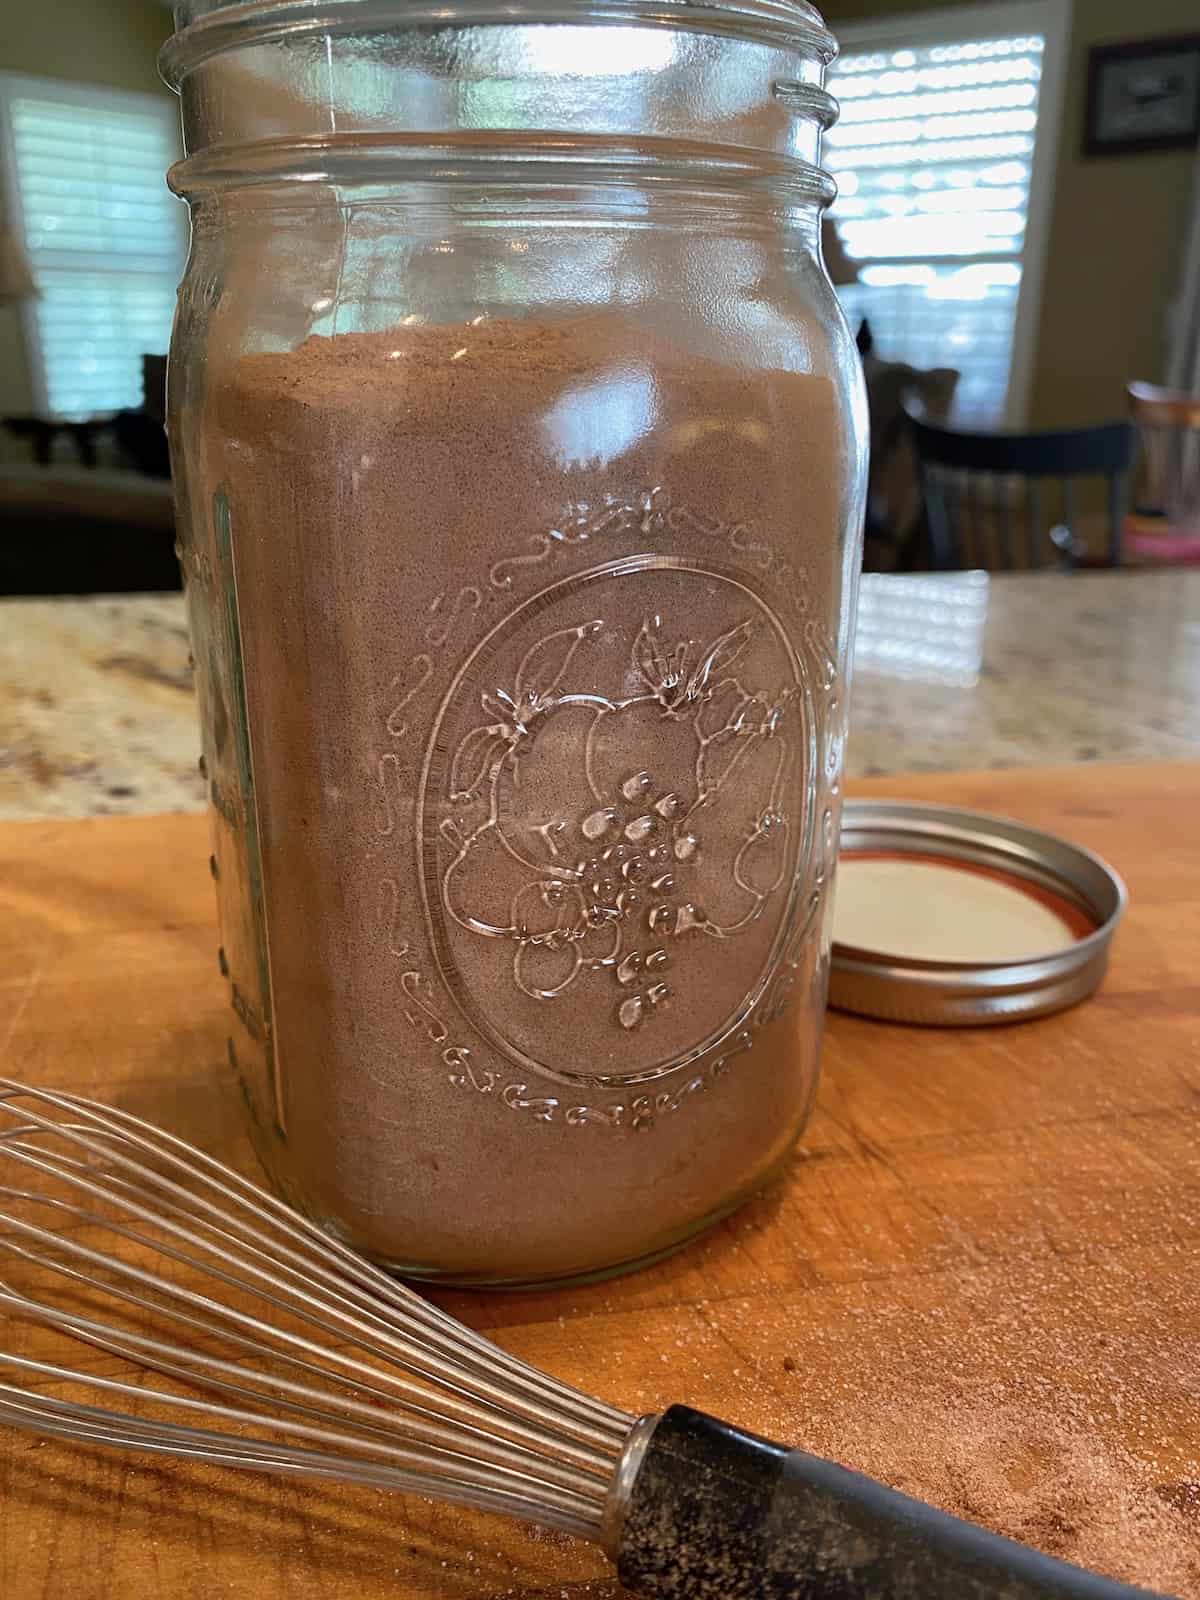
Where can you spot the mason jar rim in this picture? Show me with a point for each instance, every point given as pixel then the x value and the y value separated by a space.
pixel 206 28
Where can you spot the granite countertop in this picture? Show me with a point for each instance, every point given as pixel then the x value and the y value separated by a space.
pixel 967 671
pixel 97 712
pixel 957 671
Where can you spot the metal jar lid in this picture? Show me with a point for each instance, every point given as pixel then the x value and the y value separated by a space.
pixel 1085 895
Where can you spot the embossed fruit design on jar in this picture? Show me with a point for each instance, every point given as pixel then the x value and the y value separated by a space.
pixel 521 470
pixel 617 856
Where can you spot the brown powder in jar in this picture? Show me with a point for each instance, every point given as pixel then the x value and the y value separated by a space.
pixel 417 520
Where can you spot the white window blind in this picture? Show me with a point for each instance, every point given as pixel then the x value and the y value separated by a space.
pixel 935 156
pixel 103 234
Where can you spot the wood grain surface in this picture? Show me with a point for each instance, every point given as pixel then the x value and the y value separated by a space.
pixel 979 1277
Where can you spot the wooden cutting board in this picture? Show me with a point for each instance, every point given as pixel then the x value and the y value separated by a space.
pixel 980 1279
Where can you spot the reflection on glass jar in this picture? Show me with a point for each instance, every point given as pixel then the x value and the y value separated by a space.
pixel 928 628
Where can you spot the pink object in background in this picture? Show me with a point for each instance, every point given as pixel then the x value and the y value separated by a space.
pixel 1168 547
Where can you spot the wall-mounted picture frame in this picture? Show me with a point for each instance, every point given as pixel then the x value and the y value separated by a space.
pixel 1143 95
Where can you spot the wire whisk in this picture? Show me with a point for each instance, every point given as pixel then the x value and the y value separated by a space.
pixel 309 1359
pixel 220 1325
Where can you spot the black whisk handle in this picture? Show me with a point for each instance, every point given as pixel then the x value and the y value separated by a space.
pixel 717 1514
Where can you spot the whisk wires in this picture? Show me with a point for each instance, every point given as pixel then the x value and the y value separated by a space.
pixel 272 1346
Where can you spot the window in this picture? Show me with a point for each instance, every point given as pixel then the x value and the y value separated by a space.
pixel 944 156
pixel 103 234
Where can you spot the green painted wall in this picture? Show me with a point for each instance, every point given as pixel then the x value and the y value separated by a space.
pixel 1116 236
pixel 112 42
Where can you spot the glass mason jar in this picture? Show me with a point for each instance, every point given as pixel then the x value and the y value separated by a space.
pixel 519 447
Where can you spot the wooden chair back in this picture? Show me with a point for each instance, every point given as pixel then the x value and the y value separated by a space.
pixel 1168 425
pixel 1006 501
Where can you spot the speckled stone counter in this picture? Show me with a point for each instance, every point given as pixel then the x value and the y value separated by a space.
pixel 962 671
pixel 1026 669
pixel 97 712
